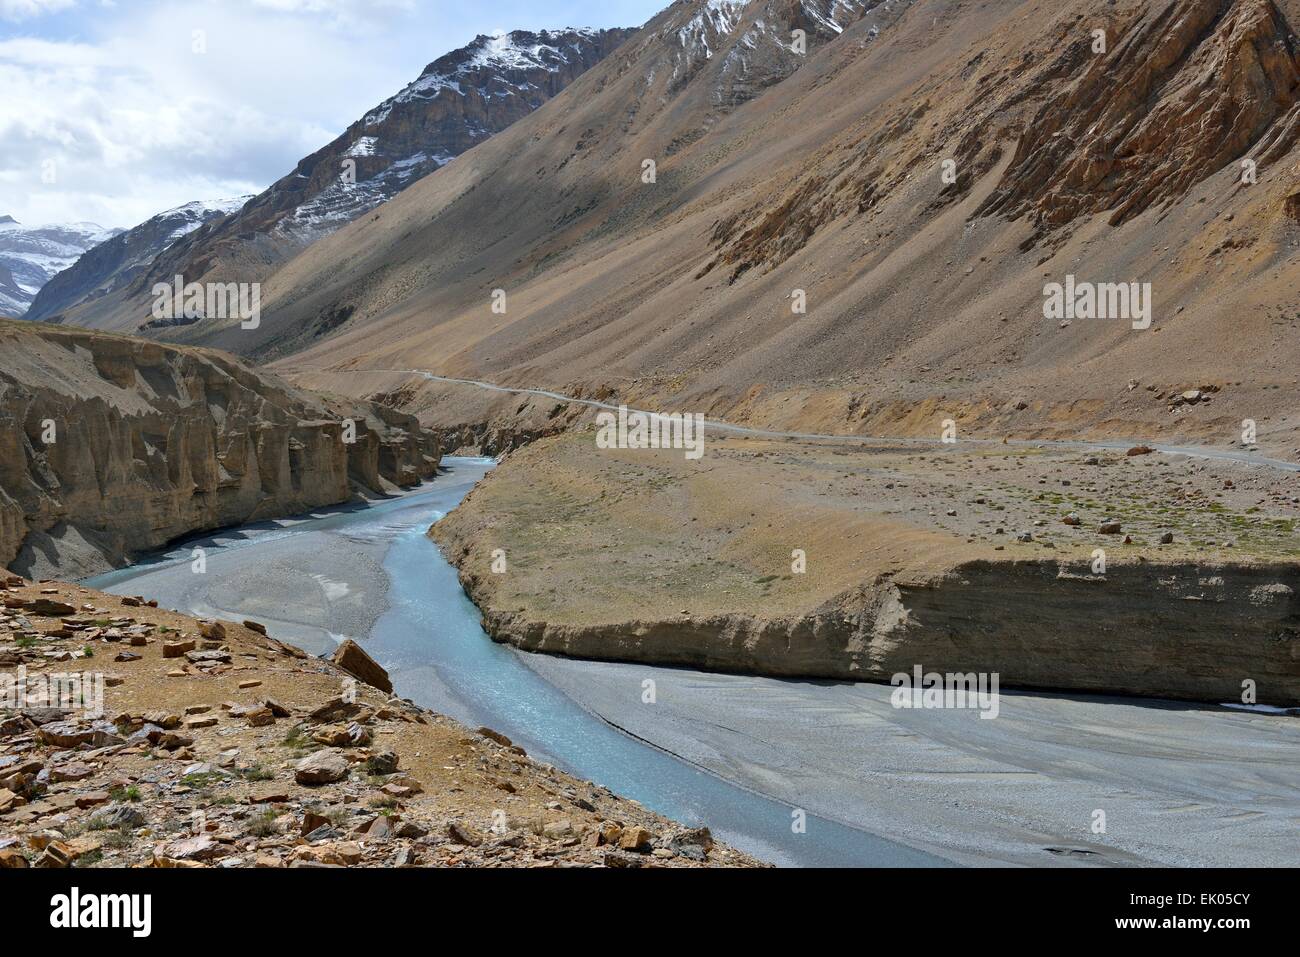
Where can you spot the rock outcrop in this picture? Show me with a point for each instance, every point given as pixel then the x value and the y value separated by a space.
pixel 1185 88
pixel 111 446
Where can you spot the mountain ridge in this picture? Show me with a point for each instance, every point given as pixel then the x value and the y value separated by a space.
pixel 30 256
pixel 459 100
pixel 923 294
pixel 114 263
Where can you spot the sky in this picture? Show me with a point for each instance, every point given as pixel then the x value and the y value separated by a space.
pixel 114 110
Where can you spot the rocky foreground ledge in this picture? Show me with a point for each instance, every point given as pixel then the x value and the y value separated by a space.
pixel 219 746
pixel 111 446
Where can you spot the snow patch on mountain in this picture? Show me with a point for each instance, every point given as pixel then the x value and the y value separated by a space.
pixel 185 219
pixel 486 62
pixel 31 255
pixel 497 68
pixel 345 199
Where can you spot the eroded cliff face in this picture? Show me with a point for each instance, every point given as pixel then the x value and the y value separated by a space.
pixel 110 446
pixel 1170 631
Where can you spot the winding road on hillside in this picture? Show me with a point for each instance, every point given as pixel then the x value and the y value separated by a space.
pixel 1192 451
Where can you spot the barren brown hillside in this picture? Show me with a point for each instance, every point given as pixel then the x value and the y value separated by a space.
pixel 1115 166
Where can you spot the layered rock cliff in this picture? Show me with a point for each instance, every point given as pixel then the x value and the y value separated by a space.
pixel 110 446
pixel 1170 630
pixel 859 564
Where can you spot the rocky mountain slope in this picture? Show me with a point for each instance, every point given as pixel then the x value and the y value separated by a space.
pixel 216 745
pixel 116 262
pixel 920 176
pixel 30 256
pixel 111 446
pixel 458 101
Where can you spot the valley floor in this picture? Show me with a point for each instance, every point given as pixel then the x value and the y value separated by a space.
pixel 1189 784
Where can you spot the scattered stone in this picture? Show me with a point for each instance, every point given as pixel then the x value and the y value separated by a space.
pixel 119 815
pixel 259 717
pixel 64 734
pixel 335 709
pixel 12 859
pixel 198 848
pixel 464 834
pixel 214 630
pixel 556 830
pixel 635 839
pixel 384 762
pixel 324 767
pixel 496 736
pixel 311 821
pixel 167 720
pixel 411 830
pixel 56 854
pixel 621 859
pixel 48 608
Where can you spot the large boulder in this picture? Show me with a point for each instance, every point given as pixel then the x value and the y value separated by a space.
pixel 353 659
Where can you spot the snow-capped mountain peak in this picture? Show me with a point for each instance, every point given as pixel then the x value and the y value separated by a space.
pixel 31 255
pixel 121 256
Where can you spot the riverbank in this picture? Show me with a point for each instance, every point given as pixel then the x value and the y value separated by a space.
pixel 861 563
pixel 426 633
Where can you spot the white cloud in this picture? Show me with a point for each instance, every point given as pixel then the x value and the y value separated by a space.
pixel 349 9
pixel 22 9
pixel 131 121
pixel 114 131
